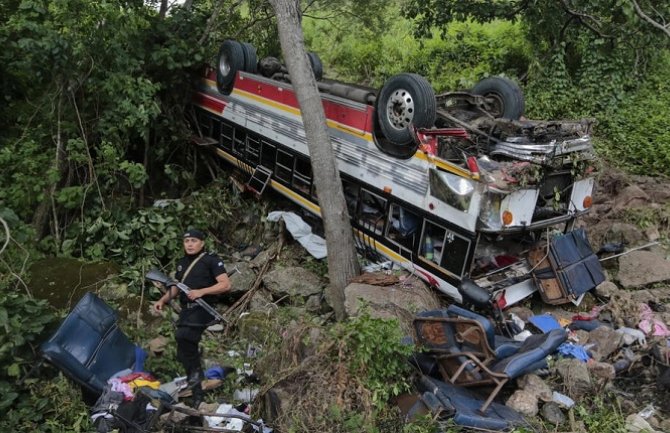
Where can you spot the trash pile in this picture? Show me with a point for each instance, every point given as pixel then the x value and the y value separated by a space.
pixel 90 348
pixel 465 360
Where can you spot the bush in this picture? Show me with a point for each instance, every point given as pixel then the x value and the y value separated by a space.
pixel 635 135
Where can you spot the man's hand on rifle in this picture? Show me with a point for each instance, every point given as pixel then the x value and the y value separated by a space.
pixel 195 294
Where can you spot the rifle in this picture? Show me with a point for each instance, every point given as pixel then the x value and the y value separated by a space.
pixel 159 277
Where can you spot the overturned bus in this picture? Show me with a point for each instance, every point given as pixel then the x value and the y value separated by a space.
pixel 458 187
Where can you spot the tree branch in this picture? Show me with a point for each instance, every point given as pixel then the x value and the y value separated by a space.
pixel 7 234
pixel 212 18
pixel 584 19
pixel 664 28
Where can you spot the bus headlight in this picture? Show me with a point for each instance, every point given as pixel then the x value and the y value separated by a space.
pixel 454 190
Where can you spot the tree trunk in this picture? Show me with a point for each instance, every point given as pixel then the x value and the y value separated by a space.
pixel 342 261
pixel 163 9
pixel 41 215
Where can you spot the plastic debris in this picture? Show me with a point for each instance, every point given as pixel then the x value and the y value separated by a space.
pixel 518 321
pixel 234 424
pixel 648 411
pixel 245 394
pixel 521 336
pixel 545 322
pixel 562 400
pixel 631 336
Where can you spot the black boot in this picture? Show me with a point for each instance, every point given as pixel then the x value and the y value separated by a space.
pixel 195 379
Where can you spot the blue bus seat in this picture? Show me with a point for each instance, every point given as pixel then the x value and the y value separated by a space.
pixel 463 344
pixel 88 346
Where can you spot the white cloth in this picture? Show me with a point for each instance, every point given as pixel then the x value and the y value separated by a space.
pixel 301 232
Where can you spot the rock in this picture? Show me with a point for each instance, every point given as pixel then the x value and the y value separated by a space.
pixel 261 301
pixel 208 407
pixel 523 312
pixel 606 340
pixel 175 417
pixel 631 196
pixel 665 425
pixel 654 422
pixel 582 336
pixel 251 251
pixel 575 375
pixel 313 304
pixel 601 370
pixel 640 268
pixel 114 291
pixel 606 289
pixel 405 298
pixel 524 402
pixel 605 231
pixel 292 281
pixel 263 257
pixel 157 345
pixel 241 280
pixel 553 414
pixel 663 380
pixel 652 234
pixel 534 384
pixel 636 424
pixel 254 326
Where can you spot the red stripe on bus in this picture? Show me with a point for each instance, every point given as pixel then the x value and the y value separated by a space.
pixel 347 116
pixel 209 102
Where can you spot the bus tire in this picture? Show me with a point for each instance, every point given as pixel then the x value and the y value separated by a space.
pixel 507 97
pixel 405 101
pixel 317 66
pixel 250 58
pixel 231 60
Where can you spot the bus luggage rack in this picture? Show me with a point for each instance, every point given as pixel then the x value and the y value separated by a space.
pixel 259 180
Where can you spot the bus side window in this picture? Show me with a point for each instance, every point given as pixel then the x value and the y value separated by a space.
pixel 227 135
pixel 268 154
pixel 351 193
pixel 432 242
pixel 253 149
pixel 371 209
pixel 205 123
pixel 284 167
pixel 302 175
pixel 454 253
pixel 240 142
pixel 402 226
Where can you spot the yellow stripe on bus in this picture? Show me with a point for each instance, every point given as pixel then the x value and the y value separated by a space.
pixel 444 165
pixel 347 129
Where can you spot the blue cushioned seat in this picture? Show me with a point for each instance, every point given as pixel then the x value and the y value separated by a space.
pixel 444 400
pixel 88 346
pixel 463 343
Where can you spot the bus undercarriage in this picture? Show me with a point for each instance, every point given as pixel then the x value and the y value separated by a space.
pixel 458 187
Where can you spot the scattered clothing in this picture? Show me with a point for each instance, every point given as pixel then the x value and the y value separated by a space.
pixel 574 351
pixel 650 324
